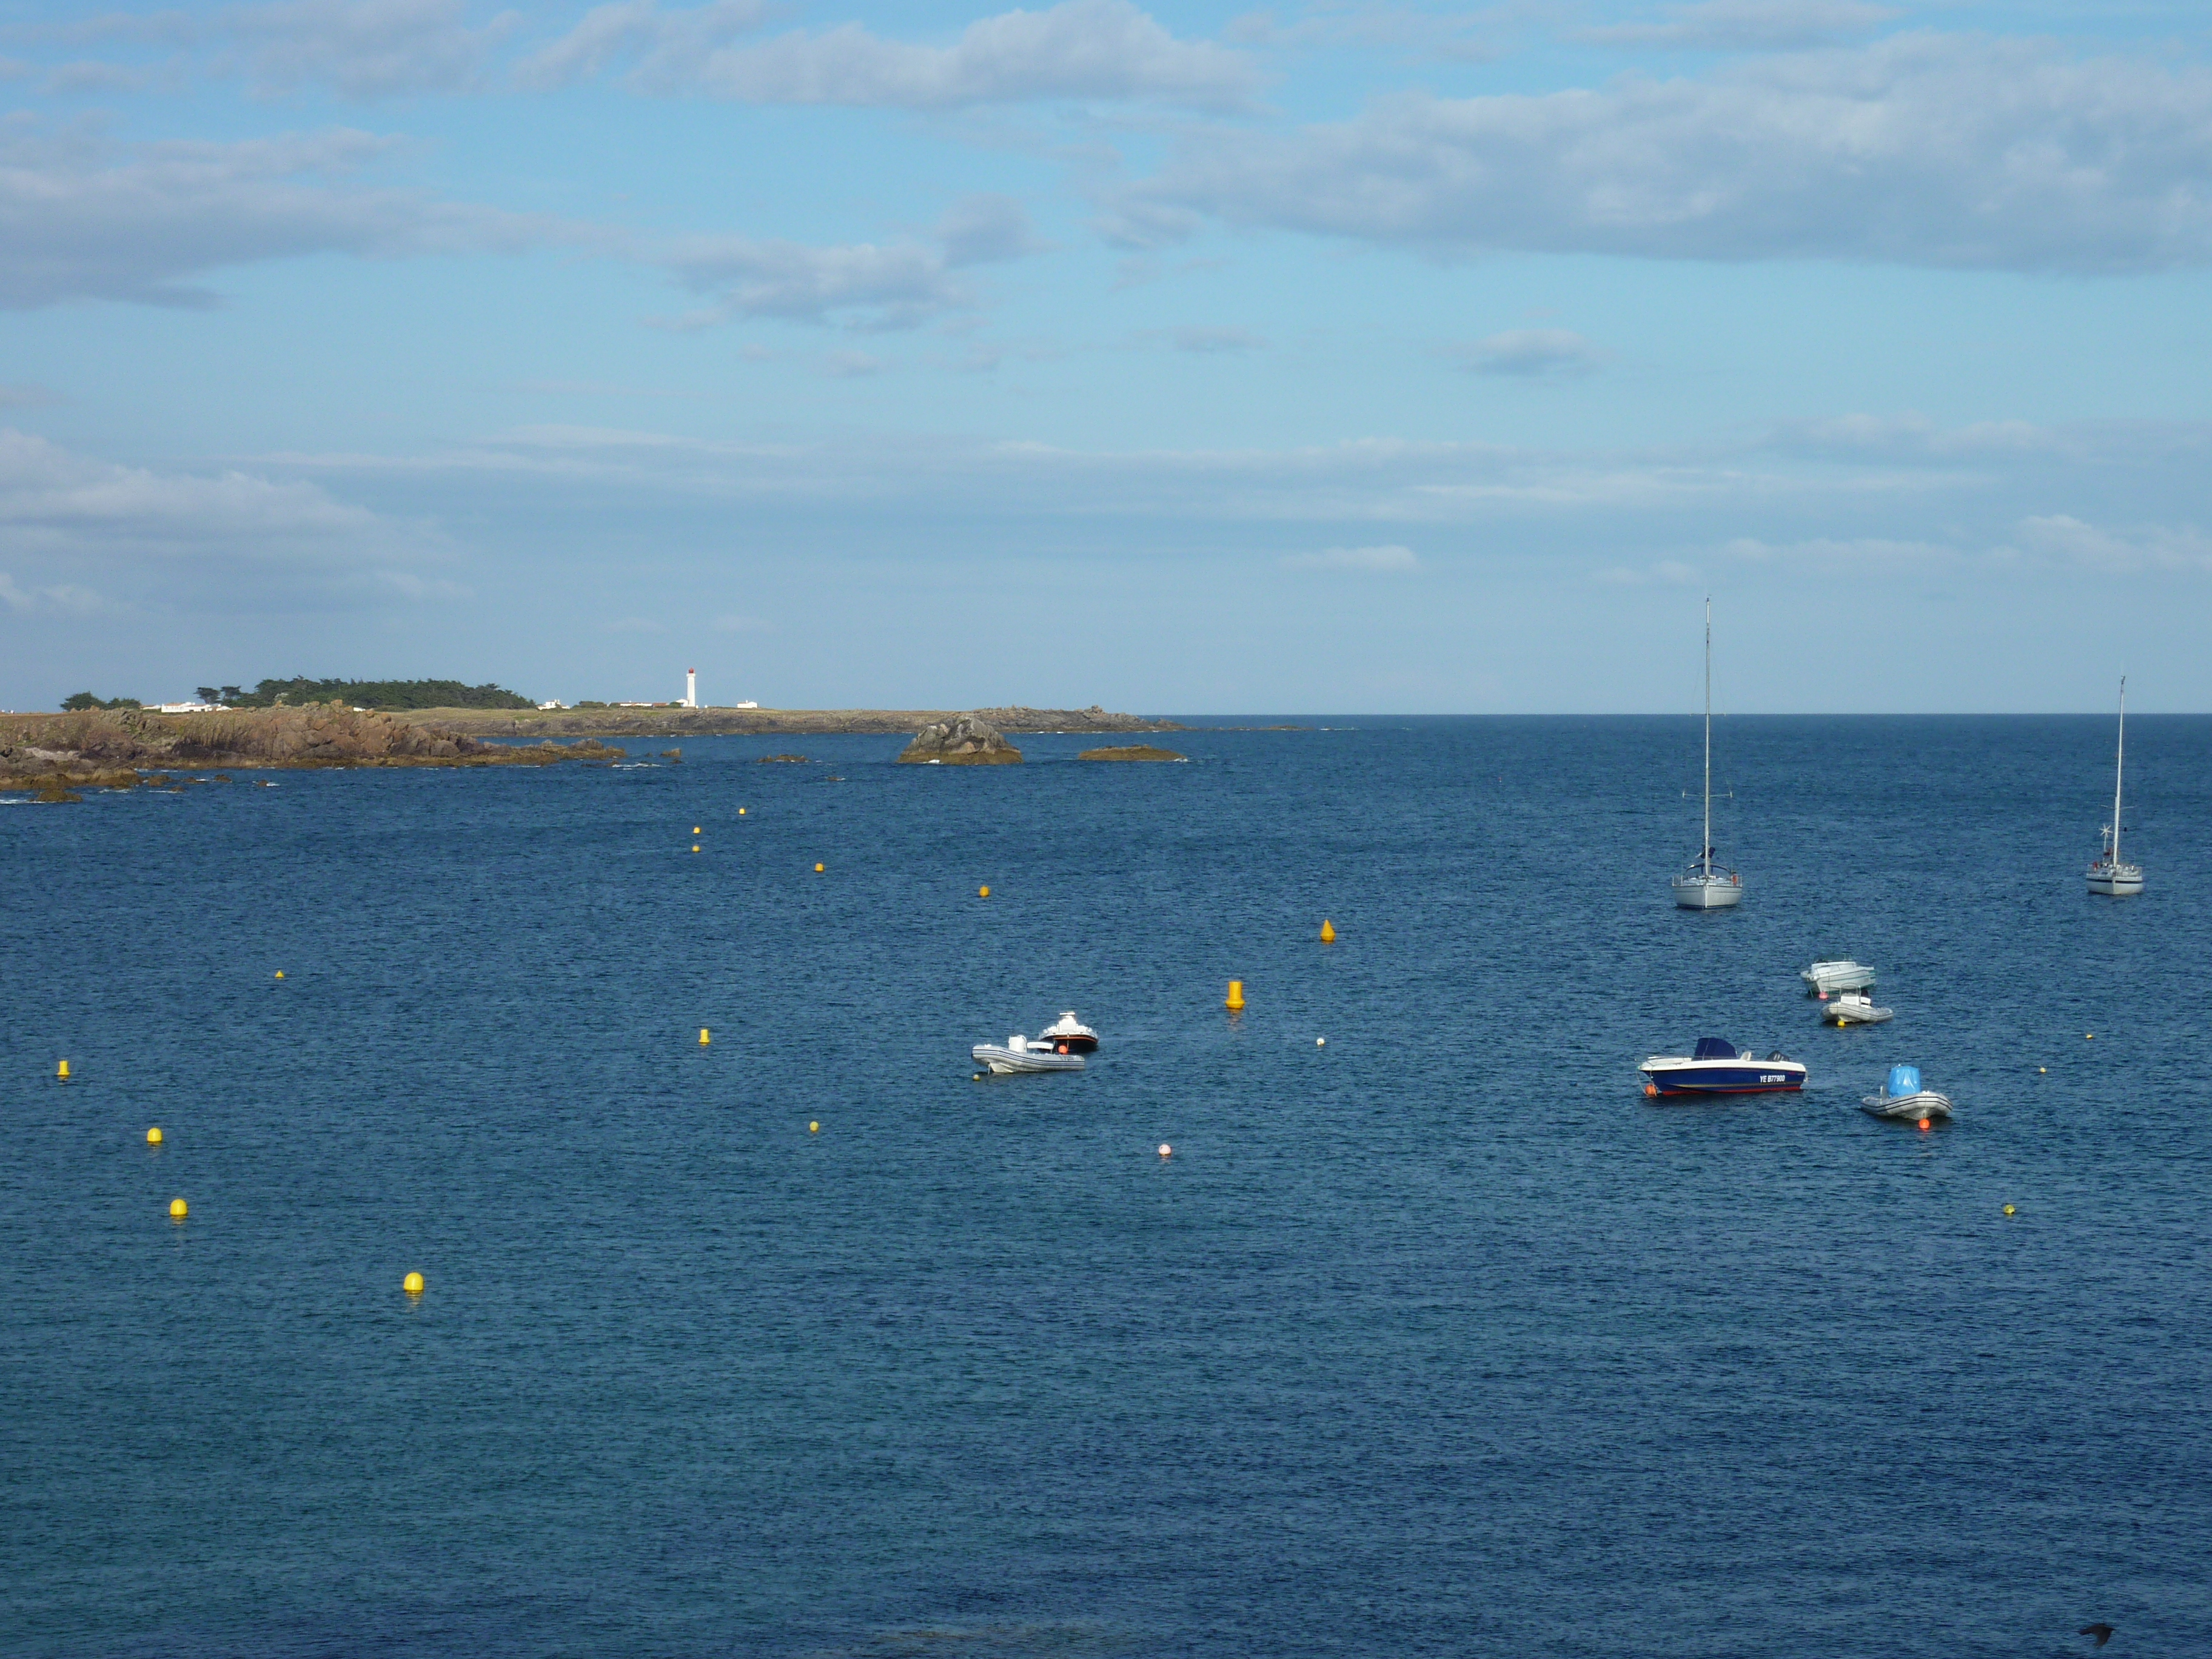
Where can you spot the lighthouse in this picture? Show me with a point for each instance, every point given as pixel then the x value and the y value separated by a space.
pixel 691 688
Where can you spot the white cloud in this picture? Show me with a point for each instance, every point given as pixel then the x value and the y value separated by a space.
pixel 1389 558
pixel 667 43
pixel 1922 149
pixel 83 220
pixel 362 48
pixel 1746 25
pixel 1531 353
pixel 858 285
pixel 1101 49
pixel 2153 547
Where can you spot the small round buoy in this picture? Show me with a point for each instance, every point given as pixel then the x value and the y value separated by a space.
pixel 694 846
pixel 177 1211
pixel 702 1036
pixel 817 869
pixel 814 1128
pixel 62 1071
pixel 1328 932
pixel 2008 1210
pixel 412 1284
pixel 1320 1043
pixel 2043 1071
pixel 153 1135
pixel 1650 1091
pixel 741 811
pixel 2089 1036
pixel 1166 1151
pixel 694 829
pixel 983 892
pixel 1923 1123
pixel 976 1077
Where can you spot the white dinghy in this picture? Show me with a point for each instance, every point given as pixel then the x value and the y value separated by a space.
pixel 1020 1055
pixel 1903 1101
pixel 1853 1008
pixel 1824 978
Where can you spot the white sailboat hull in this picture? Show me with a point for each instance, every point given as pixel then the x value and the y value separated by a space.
pixel 2122 881
pixel 1704 892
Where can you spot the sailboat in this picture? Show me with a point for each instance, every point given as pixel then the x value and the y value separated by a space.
pixel 1705 885
pixel 2109 875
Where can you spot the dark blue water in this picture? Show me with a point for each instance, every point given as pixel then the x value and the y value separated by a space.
pixel 1438 1339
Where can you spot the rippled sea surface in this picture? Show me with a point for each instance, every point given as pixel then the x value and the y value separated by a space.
pixel 1438 1339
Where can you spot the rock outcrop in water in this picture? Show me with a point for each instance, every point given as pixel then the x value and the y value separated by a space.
pixel 1136 751
pixel 964 740
pixel 108 749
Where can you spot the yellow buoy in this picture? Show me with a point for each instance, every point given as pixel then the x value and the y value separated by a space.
pixel 62 1071
pixel 741 811
pixel 814 1128
pixel 153 1135
pixel 2043 1071
pixel 983 892
pixel 817 869
pixel 1236 995
pixel 1328 932
pixel 702 1036
pixel 176 1209
pixel 2008 1209
pixel 2089 1035
pixel 280 973
pixel 412 1284
pixel 694 846
pixel 694 829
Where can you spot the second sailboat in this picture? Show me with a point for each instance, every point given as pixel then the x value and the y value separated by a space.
pixel 1705 885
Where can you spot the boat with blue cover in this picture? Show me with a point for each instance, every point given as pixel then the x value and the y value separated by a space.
pixel 1719 1068
pixel 1901 1097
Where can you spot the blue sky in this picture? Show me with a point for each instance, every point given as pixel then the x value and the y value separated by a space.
pixel 1325 357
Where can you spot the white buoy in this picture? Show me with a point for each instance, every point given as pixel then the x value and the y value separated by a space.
pixel 1166 1151
pixel 1320 1043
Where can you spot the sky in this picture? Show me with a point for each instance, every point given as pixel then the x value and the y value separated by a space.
pixel 1378 358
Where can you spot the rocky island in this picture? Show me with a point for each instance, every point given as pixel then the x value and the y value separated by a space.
pixel 674 720
pixel 1136 751
pixel 108 749
pixel 963 740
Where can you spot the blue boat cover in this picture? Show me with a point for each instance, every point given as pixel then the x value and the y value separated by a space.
pixel 1714 1048
pixel 1904 1080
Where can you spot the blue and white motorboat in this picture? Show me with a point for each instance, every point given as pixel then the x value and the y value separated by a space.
pixel 1903 1099
pixel 1719 1068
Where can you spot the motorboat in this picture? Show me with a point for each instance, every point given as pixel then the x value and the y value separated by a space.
pixel 1020 1055
pixel 2109 874
pixel 1705 885
pixel 1069 1036
pixel 1719 1068
pixel 1853 1008
pixel 1824 978
pixel 1903 1100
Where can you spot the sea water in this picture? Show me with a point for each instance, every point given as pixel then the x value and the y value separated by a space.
pixel 1436 1338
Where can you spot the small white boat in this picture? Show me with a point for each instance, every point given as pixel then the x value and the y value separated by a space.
pixel 2109 875
pixel 1853 1008
pixel 1903 1101
pixel 1705 885
pixel 1069 1036
pixel 1020 1055
pixel 1824 978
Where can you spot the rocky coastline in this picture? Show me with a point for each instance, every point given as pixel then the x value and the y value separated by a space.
pixel 110 748
pixel 778 722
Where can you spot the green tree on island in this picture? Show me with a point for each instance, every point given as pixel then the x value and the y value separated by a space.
pixel 84 700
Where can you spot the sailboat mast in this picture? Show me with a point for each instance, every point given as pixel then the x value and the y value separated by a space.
pixel 1706 846
pixel 2119 765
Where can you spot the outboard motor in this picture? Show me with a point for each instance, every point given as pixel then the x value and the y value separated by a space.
pixel 1904 1080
